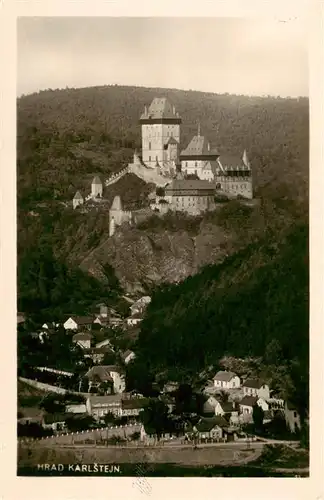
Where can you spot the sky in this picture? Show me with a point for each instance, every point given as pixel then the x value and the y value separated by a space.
pixel 237 56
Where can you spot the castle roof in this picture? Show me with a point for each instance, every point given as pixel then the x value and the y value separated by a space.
pixel 172 140
pixel 78 196
pixel 186 184
pixel 160 108
pixel 117 204
pixel 96 180
pixel 198 146
pixel 231 161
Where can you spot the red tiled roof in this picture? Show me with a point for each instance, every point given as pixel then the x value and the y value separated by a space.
pixel 188 185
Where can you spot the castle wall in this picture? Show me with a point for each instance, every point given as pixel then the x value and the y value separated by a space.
pixel 148 175
pixel 191 167
pixel 237 186
pixel 116 177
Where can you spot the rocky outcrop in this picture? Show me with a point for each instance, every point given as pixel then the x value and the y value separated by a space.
pixel 143 258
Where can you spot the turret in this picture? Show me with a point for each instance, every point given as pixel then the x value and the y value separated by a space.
pixel 96 187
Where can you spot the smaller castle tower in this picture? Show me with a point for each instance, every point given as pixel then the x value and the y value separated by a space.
pixel 77 200
pixel 96 188
pixel 117 216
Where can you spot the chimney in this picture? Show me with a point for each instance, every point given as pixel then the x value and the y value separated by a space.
pixel 208 147
pixel 174 111
pixel 145 110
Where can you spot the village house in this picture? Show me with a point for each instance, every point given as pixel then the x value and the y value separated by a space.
pixel 97 354
pixel 76 408
pixel 132 407
pixel 50 325
pixel 210 428
pixel 226 380
pixel 30 415
pixel 104 343
pixel 229 410
pixel 256 387
pixel 55 421
pixel 83 339
pixel 99 406
pixel 140 305
pixel 115 322
pixel 246 407
pixel 276 404
pixel 106 373
pixel 226 409
pixel 102 321
pixel 103 310
pixel 292 417
pixel 77 322
pixel 128 356
pixel 134 320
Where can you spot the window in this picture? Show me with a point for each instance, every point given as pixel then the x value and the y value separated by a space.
pixel 149 145
pixel 149 158
pixel 195 163
pixel 295 414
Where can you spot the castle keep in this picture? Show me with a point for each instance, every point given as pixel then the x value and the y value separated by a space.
pixel 160 134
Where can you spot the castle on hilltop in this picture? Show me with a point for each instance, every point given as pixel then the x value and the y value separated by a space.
pixel 190 178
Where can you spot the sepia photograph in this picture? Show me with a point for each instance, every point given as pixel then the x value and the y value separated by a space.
pixel 162 247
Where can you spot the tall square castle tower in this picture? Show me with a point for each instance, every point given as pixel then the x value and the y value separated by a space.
pixel 160 133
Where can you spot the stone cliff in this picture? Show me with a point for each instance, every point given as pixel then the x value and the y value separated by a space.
pixel 144 258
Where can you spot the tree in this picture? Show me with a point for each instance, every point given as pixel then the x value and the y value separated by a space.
pixel 75 423
pixel 273 353
pixel 52 403
pixel 109 358
pixel 223 395
pixel 183 398
pixel 258 415
pixel 109 418
pixel 155 417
